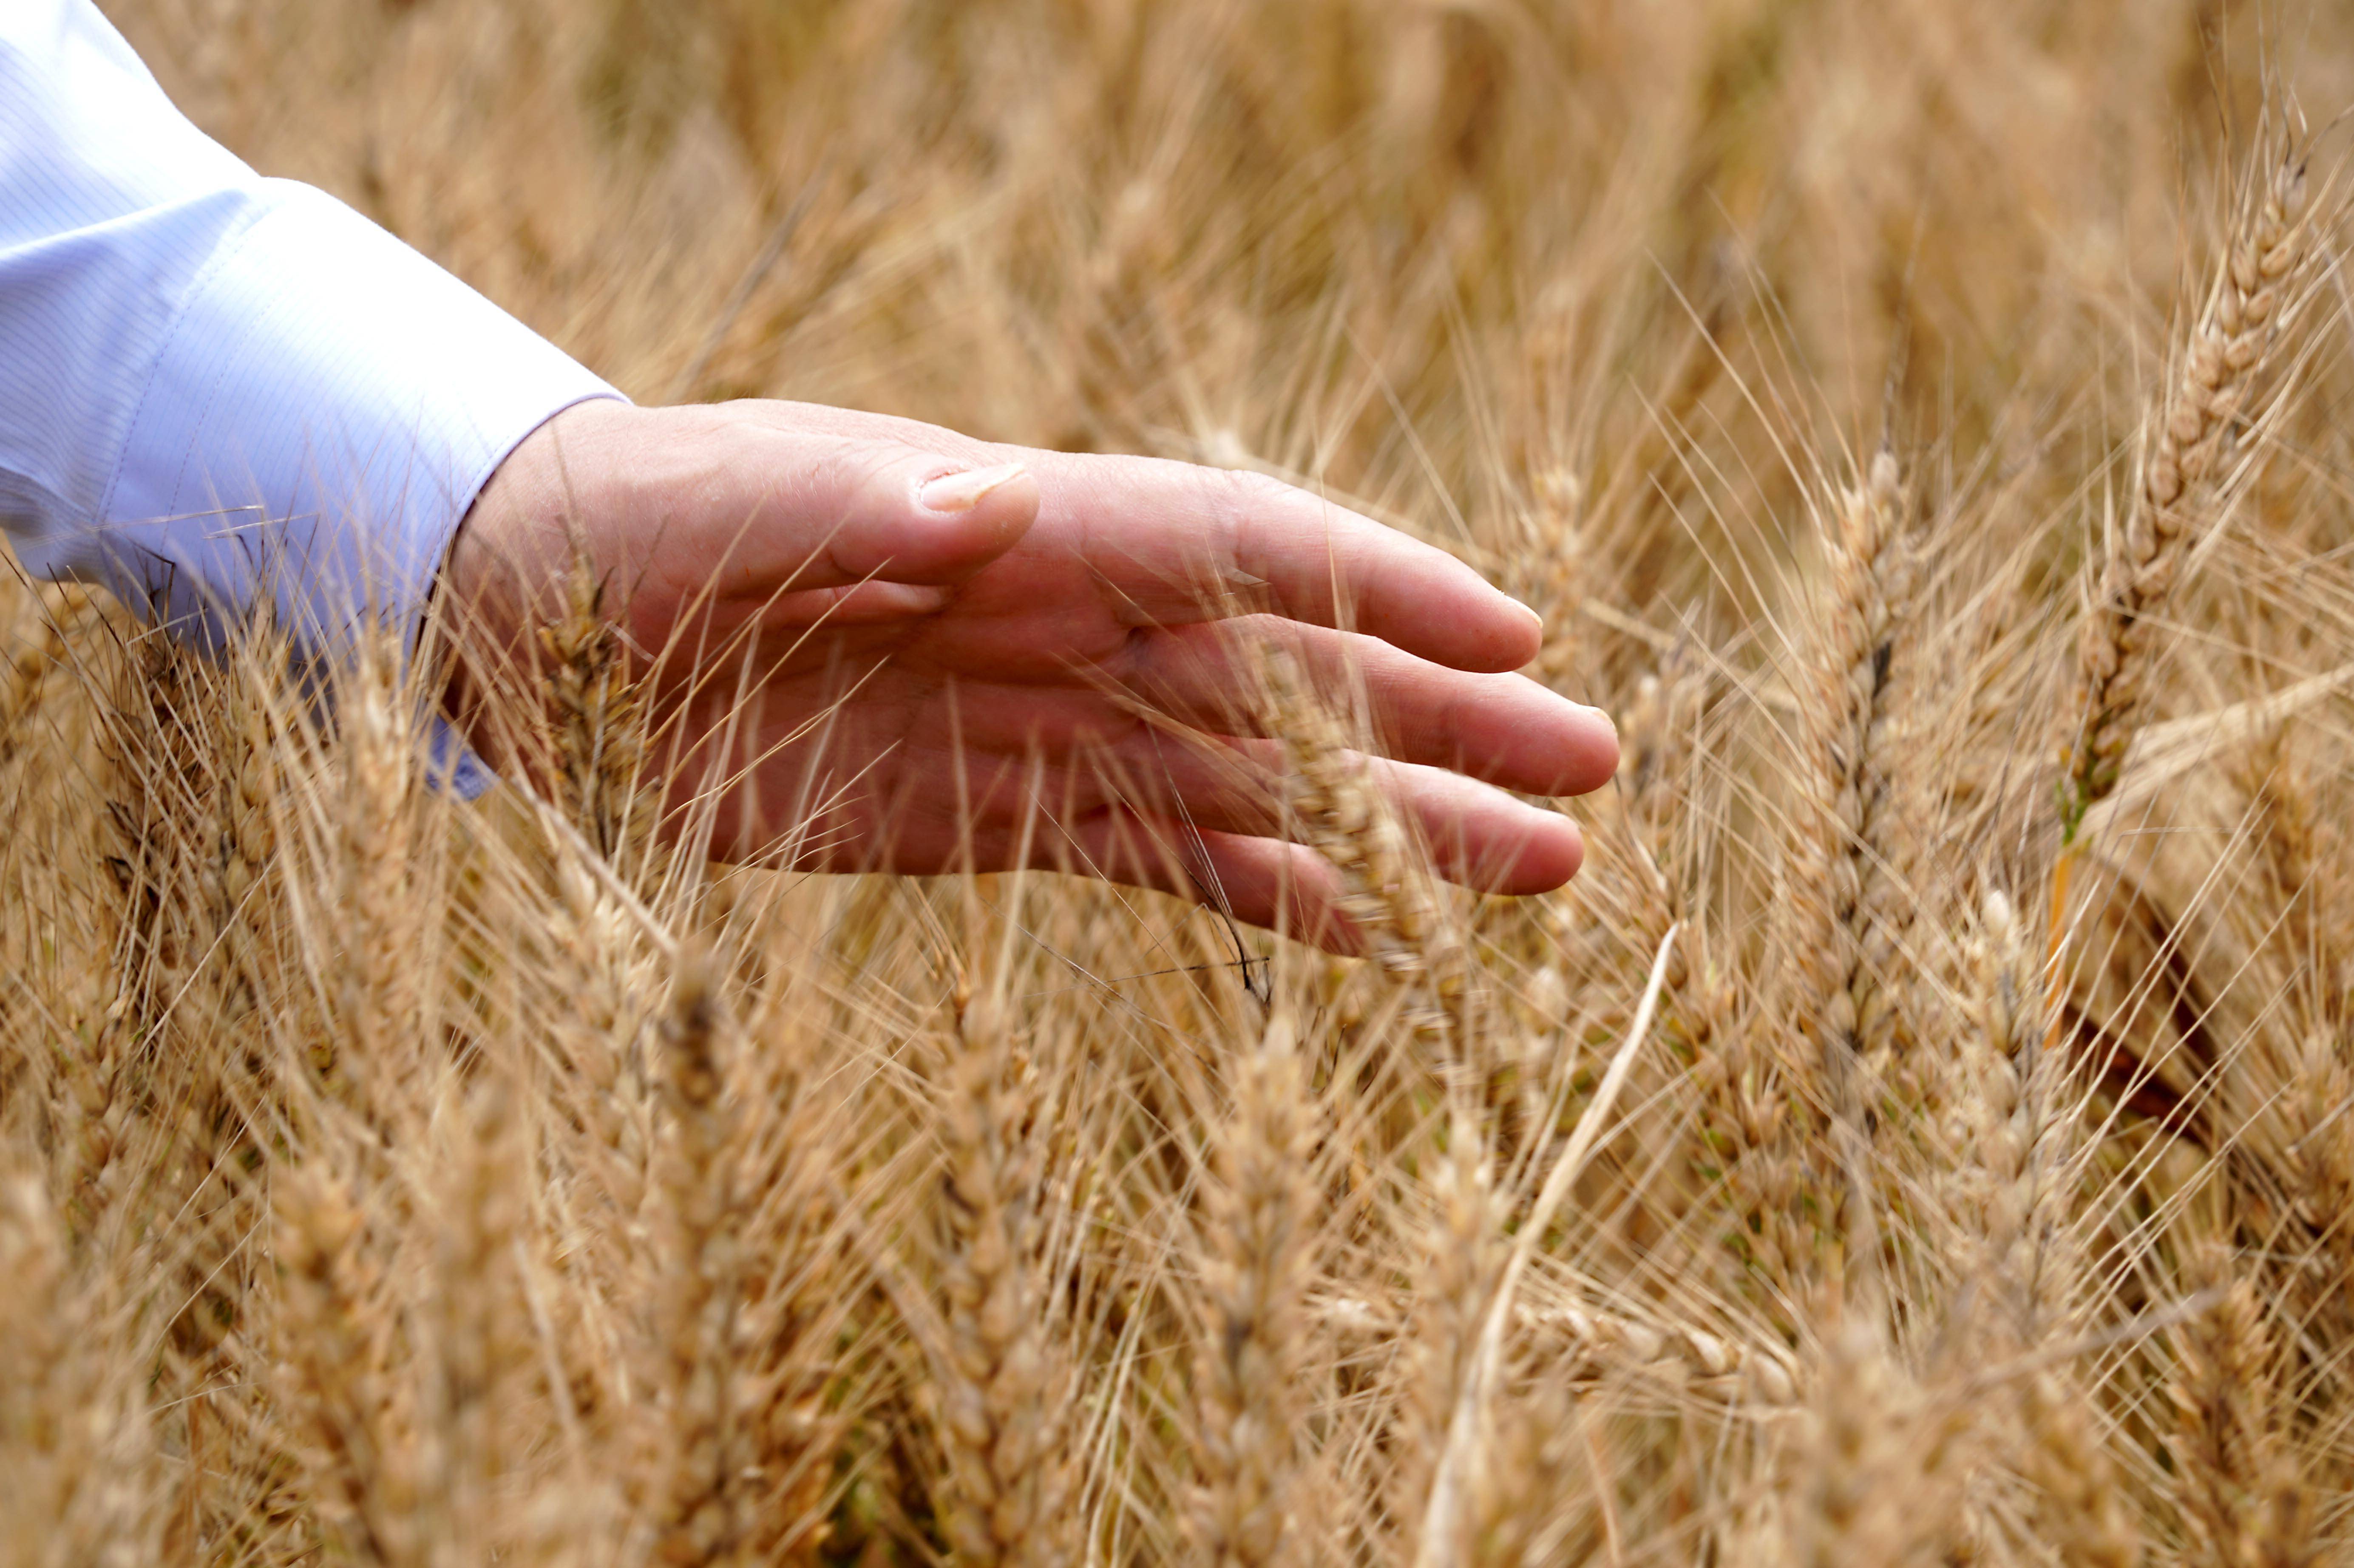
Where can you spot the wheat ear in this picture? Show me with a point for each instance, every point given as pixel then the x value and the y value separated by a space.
pixel 73 1418
pixel 600 719
pixel 1475 1370
pixel 360 1453
pixel 1846 891
pixel 2015 1124
pixel 700 1518
pixel 376 838
pixel 2081 1511
pixel 2243 1498
pixel 1877 1473
pixel 1850 897
pixel 1386 892
pixel 1259 1218
pixel 1742 1147
pixel 1003 1383
pixel 474 1320
pixel 2193 433
pixel 1450 1432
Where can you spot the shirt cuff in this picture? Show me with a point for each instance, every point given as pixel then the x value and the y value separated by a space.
pixel 322 415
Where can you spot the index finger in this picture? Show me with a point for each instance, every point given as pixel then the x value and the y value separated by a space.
pixel 1173 543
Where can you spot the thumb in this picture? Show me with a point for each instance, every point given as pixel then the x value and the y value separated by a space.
pixel 679 501
pixel 796 510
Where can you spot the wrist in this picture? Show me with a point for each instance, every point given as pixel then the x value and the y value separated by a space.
pixel 516 542
pixel 509 562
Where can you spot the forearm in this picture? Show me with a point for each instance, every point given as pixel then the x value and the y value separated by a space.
pixel 224 393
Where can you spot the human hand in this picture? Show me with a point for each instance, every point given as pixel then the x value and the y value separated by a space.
pixel 934 650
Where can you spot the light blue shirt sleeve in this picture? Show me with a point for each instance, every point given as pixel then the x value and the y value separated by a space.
pixel 217 391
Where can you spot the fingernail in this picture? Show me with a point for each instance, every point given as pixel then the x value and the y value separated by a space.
pixel 963 492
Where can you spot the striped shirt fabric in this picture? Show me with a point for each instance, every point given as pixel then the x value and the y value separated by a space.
pixel 220 391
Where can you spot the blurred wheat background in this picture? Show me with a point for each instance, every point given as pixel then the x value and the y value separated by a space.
pixel 1924 1133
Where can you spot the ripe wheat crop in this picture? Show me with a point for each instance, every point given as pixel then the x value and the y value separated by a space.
pixel 1923 1134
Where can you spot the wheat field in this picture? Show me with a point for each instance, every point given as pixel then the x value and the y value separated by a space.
pixel 1924 1133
